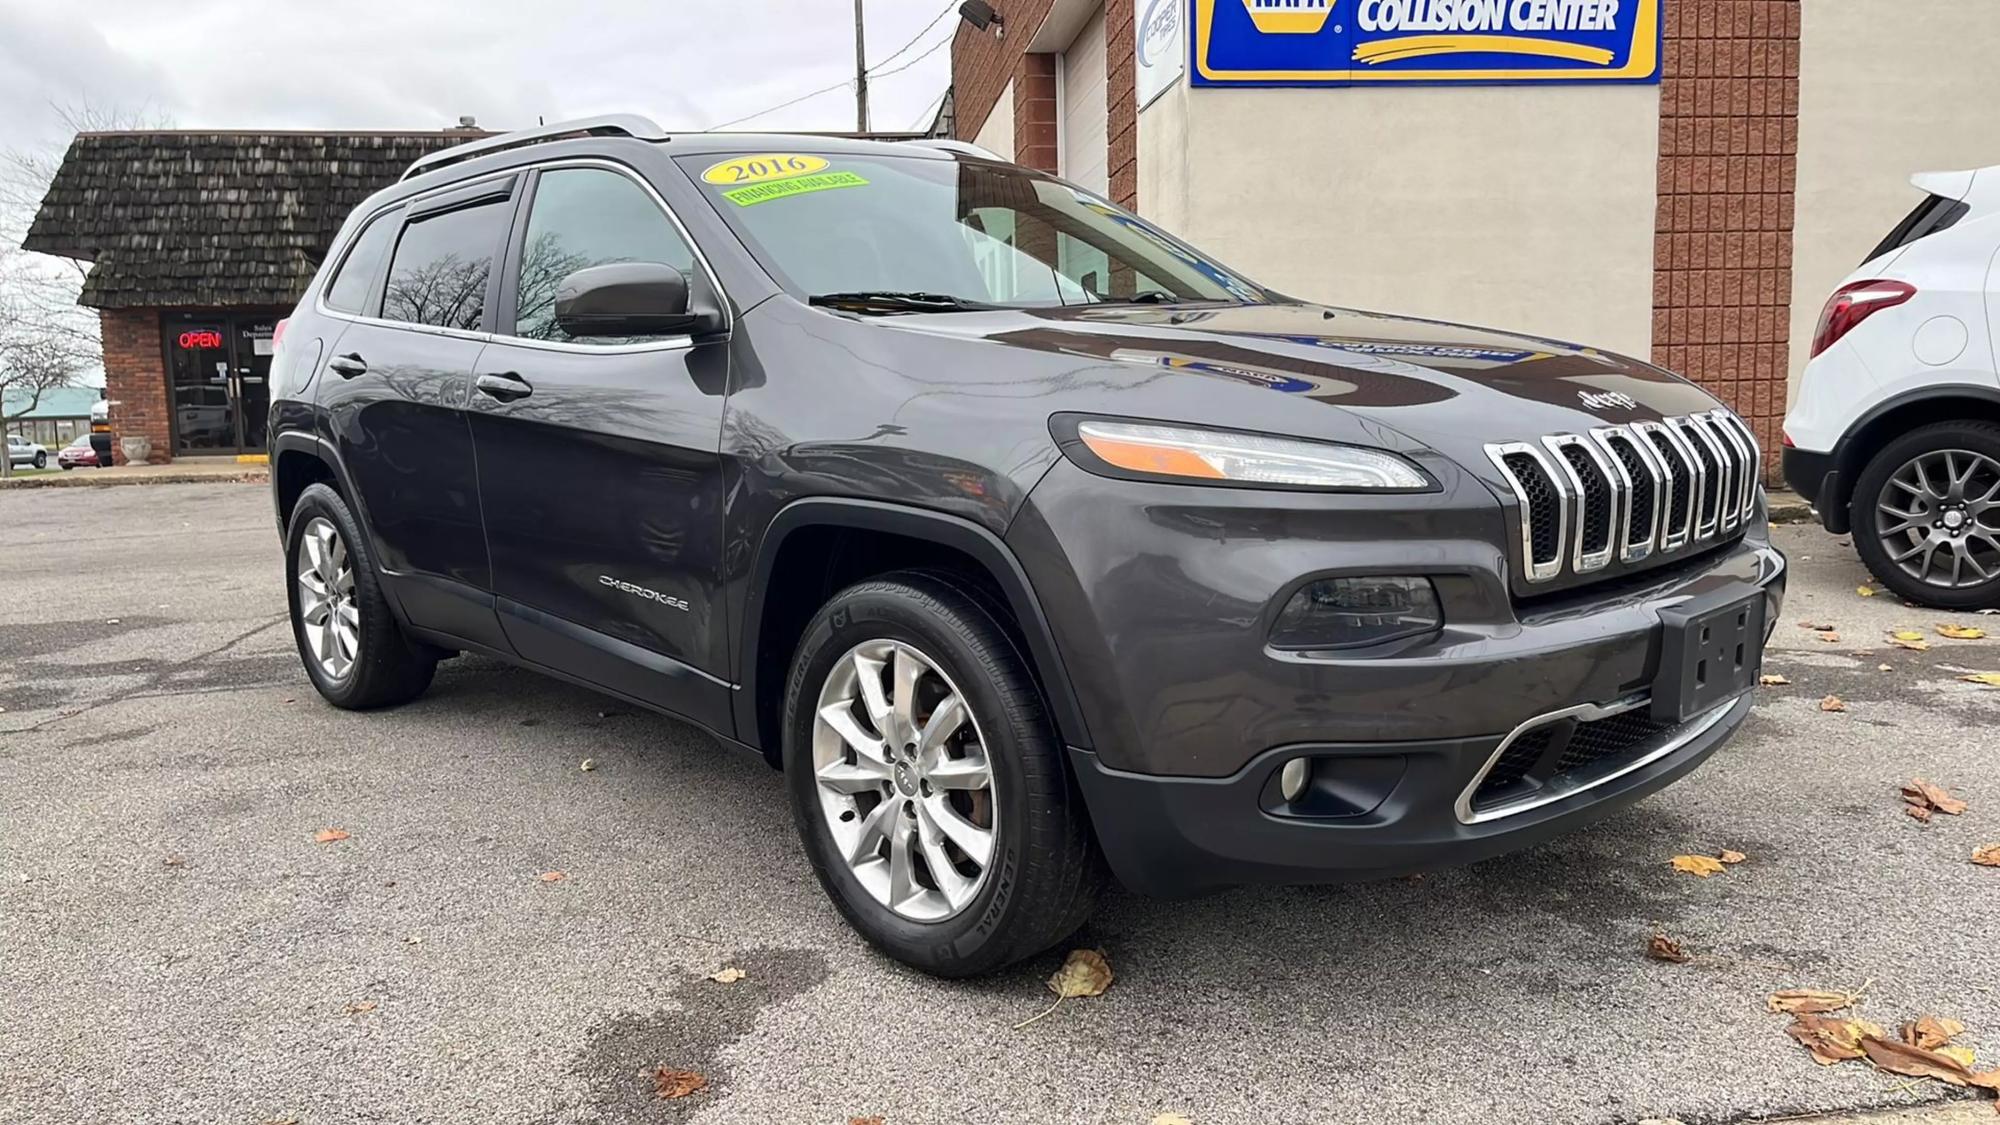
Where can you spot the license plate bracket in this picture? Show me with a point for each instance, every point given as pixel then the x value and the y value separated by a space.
pixel 1711 651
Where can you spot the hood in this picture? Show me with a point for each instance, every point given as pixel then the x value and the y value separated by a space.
pixel 1447 386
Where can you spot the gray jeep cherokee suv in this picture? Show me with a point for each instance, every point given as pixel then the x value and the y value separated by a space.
pixel 1029 541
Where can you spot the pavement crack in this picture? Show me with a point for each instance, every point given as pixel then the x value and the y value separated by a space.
pixel 153 685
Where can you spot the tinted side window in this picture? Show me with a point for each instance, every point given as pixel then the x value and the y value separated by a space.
pixel 349 289
pixel 438 276
pixel 587 217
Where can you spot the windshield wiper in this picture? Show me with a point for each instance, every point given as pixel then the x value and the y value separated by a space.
pixel 883 300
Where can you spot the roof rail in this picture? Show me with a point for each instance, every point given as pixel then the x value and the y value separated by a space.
pixel 948 145
pixel 610 125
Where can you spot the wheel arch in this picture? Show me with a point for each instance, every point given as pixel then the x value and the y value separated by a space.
pixel 299 460
pixel 1958 402
pixel 809 551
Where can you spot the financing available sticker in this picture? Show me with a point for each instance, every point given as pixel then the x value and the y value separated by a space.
pixel 1363 42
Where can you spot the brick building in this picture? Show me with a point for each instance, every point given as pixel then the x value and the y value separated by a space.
pixel 1696 208
pixel 201 241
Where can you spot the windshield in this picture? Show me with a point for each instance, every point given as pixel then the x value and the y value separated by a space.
pixel 980 232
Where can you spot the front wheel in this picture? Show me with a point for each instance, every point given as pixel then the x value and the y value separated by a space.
pixel 41 460
pixel 354 651
pixel 928 783
pixel 1927 515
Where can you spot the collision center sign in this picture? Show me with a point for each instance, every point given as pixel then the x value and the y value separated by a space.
pixel 1362 42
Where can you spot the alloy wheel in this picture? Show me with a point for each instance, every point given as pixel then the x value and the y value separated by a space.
pixel 329 616
pixel 904 780
pixel 1939 518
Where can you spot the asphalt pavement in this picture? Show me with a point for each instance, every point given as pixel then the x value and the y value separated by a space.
pixel 176 946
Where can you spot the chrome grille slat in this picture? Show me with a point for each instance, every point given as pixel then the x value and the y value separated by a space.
pixel 1628 493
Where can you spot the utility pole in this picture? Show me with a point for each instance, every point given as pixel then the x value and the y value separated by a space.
pixel 860 72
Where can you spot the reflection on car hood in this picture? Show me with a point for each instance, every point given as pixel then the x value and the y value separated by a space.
pixel 1446 385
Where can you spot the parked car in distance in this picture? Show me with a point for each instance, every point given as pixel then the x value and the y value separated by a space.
pixel 1895 433
pixel 78 453
pixel 1030 542
pixel 22 452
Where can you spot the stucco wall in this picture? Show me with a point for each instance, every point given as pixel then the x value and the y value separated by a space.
pixel 1528 207
pixel 997 133
pixel 1887 88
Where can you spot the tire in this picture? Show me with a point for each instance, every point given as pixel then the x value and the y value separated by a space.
pixel 41 460
pixel 1883 540
pixel 1043 871
pixel 382 667
pixel 66 466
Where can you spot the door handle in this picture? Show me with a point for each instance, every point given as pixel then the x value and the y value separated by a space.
pixel 503 385
pixel 347 366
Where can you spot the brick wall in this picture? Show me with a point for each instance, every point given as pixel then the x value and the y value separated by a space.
pixel 1036 141
pixel 135 380
pixel 983 62
pixel 1722 261
pixel 1121 98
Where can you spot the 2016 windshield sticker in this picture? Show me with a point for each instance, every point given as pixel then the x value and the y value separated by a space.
pixel 762 168
pixel 797 185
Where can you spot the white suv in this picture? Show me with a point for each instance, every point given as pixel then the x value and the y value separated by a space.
pixel 1895 435
pixel 21 451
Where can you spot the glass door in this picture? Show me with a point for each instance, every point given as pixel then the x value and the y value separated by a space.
pixel 199 371
pixel 252 389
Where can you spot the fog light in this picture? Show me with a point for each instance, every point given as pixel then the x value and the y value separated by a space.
pixel 1351 612
pixel 1293 779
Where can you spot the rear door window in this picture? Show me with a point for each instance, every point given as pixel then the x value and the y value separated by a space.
pixel 348 291
pixel 442 265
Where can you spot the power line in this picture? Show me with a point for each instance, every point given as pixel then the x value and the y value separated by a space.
pixel 848 82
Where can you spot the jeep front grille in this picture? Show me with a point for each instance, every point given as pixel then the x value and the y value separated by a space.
pixel 1626 493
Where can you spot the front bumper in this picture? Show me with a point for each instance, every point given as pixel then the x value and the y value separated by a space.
pixel 1174 837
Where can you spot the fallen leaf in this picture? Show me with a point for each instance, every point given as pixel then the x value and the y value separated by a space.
pixel 1831 1040
pixel 1930 1032
pixel 1819 627
pixel 1865 591
pixel 1660 947
pixel 174 861
pixel 1963 1056
pixel 553 876
pixel 1697 865
pixel 1808 1000
pixel 1084 972
pixel 1830 638
pixel 1990 679
pixel 329 835
pixel 1773 680
pixel 588 765
pixel 1922 794
pixel 1914 1062
pixel 1728 856
pixel 727 976
pixel 671 1083
pixel 1909 639
pixel 360 1006
pixel 1920 814
pixel 1988 856
pixel 1833 703
pixel 1961 632
pixel 877 1120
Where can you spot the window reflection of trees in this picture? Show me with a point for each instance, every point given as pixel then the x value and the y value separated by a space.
pixel 448 292
pixel 544 264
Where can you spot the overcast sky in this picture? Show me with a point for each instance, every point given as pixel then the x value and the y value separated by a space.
pixel 420 64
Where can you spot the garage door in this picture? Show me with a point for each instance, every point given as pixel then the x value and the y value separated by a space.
pixel 1084 116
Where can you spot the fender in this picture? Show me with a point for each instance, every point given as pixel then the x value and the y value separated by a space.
pixel 960 534
pixel 321 450
pixel 1850 454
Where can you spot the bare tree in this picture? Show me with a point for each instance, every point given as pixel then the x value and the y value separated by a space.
pixel 46 339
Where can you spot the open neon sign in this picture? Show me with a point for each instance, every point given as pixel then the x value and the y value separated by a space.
pixel 201 338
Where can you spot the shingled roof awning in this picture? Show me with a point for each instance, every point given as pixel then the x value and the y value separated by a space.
pixel 192 218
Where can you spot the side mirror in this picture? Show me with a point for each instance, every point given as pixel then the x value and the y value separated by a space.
pixel 630 299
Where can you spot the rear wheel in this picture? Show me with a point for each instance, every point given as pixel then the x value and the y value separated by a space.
pixel 354 651
pixel 1927 515
pixel 928 784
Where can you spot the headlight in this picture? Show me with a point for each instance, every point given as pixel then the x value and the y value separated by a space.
pixel 1222 457
pixel 1336 613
